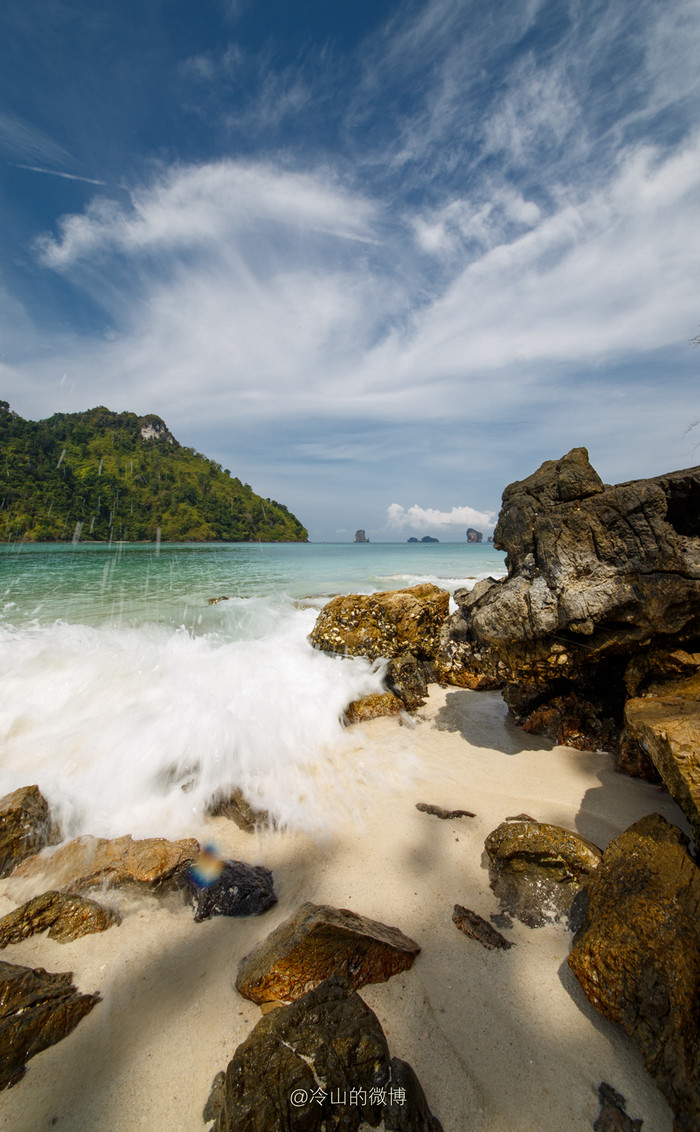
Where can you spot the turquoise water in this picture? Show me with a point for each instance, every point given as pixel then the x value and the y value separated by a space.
pixel 98 584
pixel 132 699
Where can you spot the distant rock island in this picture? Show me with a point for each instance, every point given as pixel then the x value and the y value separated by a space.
pixel 360 536
pixel 99 475
pixel 426 538
pixel 474 536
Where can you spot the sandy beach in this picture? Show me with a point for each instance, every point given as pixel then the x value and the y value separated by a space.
pixel 500 1040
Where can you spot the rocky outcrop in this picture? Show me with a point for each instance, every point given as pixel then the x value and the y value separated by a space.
pixel 537 870
pixel 321 1063
pixel 637 955
pixel 474 535
pixel 597 577
pixel 666 724
pixel 229 888
pixel 383 625
pixel 401 626
pixel 66 917
pixel 319 941
pixel 37 1009
pixel 25 826
pixel 88 862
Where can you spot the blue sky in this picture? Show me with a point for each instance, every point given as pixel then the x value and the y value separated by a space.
pixel 377 258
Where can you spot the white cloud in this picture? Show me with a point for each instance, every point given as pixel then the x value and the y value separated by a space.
pixel 199 206
pixel 417 518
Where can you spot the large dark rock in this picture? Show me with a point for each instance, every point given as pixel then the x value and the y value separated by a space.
pixel 597 576
pixel 229 888
pixel 37 1009
pixel 25 826
pixel 320 1065
pixel 537 870
pixel 67 918
pixel 637 955
pixel 319 941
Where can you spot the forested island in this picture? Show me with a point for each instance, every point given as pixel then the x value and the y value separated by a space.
pixel 100 475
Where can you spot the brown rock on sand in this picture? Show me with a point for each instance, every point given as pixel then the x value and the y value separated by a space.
pixel 319 941
pixel 637 955
pixel 91 861
pixel 538 869
pixel 37 1009
pixel 322 1062
pixel 66 916
pixel 25 826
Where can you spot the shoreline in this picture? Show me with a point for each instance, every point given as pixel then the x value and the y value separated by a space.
pixel 499 1040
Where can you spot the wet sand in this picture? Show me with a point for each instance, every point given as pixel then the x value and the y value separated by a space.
pixel 501 1040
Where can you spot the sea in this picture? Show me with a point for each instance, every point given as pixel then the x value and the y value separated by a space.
pixel 139 682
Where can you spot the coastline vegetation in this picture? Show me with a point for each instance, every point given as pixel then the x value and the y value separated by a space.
pixel 100 476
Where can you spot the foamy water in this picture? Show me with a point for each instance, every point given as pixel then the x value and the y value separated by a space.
pixel 133 702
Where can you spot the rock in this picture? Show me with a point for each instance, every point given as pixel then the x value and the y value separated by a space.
pixel 666 724
pixel 637 955
pixel 474 535
pixel 374 706
pixel 25 826
pixel 37 1009
pixel 228 888
pixel 91 861
pixel 446 815
pixel 598 576
pixel 537 869
pixel 319 941
pixel 473 925
pixel 405 677
pixel 67 918
pixel 360 536
pixel 321 1063
pixel 383 624
pixel 612 1116
pixel 238 809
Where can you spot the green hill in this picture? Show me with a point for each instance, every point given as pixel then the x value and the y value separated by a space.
pixel 101 475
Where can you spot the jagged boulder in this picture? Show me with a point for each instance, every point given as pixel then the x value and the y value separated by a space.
pixel 637 955
pixel 25 826
pixel 319 941
pixel 383 624
pixel 66 917
pixel 597 577
pixel 666 723
pixel 37 1009
pixel 537 870
pixel 88 862
pixel 321 1063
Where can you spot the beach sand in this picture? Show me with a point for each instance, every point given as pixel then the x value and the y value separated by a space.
pixel 501 1040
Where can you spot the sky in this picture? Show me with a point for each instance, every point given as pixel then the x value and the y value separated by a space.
pixel 379 258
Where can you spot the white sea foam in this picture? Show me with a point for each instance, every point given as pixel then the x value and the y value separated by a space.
pixel 134 729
